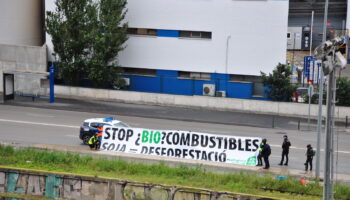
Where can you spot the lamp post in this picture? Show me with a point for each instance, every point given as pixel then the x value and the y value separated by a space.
pixel 320 97
pixel 227 51
pixel 332 60
pixel 312 26
pixel 319 123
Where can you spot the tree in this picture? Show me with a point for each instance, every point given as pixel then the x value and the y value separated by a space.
pixel 87 39
pixel 110 34
pixel 280 88
pixel 315 97
pixel 343 92
pixel 69 27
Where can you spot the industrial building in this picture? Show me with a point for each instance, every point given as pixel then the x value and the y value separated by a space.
pixel 300 15
pixel 192 47
pixel 202 47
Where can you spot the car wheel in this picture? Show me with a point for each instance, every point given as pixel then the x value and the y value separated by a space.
pixel 86 139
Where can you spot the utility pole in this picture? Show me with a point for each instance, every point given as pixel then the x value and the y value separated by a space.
pixel 311 28
pixel 328 184
pixel 319 123
pixel 310 93
pixel 332 61
pixel 294 36
pixel 320 97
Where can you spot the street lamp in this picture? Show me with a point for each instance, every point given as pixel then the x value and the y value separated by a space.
pixel 332 60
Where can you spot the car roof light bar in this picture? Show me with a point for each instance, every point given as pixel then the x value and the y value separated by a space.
pixel 108 119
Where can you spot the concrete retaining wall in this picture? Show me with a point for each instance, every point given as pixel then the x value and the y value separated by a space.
pixel 86 188
pixel 216 103
pixel 24 58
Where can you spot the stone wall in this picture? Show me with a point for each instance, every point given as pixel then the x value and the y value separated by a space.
pixel 90 188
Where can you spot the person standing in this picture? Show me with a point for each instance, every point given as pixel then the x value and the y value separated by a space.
pixel 99 136
pixel 310 153
pixel 259 155
pixel 285 150
pixel 92 141
pixel 266 152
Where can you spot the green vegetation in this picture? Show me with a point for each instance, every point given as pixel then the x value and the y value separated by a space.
pixel 87 37
pixel 280 88
pixel 161 174
pixel 342 93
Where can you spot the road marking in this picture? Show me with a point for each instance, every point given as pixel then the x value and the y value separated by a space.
pixel 274 145
pixel 298 148
pixel 275 156
pixel 37 123
pixel 76 127
pixel 290 158
pixel 340 151
pixel 301 123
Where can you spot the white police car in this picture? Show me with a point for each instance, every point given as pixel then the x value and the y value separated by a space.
pixel 89 127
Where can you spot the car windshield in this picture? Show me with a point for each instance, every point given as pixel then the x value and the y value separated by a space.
pixel 303 91
pixel 120 124
pixel 86 124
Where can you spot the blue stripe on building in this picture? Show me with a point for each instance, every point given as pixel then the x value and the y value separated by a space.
pixel 168 33
pixel 168 82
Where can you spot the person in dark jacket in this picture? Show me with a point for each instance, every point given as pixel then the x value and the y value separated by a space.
pixel 265 153
pixel 285 150
pixel 310 153
pixel 260 156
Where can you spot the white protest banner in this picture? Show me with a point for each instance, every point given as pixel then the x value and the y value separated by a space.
pixel 181 144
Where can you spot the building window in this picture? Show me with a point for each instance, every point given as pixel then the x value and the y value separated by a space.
pixel 288 35
pixel 200 75
pixel 184 74
pixel 183 33
pixel 195 34
pixel 142 31
pixel 258 90
pixel 245 78
pixel 139 71
pixel 194 75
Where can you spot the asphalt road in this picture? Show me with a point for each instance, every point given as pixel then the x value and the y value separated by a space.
pixel 174 113
pixel 28 126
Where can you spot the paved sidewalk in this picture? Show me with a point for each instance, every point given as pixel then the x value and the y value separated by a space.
pixel 176 162
pixel 175 113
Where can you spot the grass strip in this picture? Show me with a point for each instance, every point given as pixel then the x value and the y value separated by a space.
pixel 53 161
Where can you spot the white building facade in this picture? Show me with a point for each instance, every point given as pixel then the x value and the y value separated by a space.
pixel 253 33
pixel 207 41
